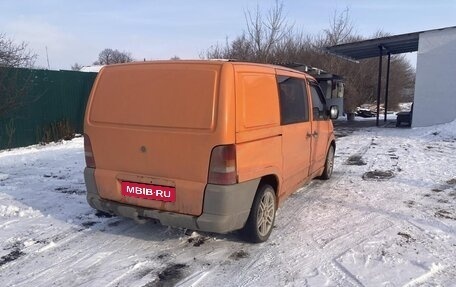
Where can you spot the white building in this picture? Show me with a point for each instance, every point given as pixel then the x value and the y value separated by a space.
pixel 435 84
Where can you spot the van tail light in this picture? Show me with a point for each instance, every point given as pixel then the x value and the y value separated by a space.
pixel 222 167
pixel 89 158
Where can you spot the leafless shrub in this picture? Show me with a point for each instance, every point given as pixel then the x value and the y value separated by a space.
pixel 56 131
pixel 12 55
pixel 110 56
pixel 15 55
pixel 269 38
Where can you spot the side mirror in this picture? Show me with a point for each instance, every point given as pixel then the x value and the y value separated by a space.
pixel 334 112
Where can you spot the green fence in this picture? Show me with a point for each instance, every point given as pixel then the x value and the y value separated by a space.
pixel 43 105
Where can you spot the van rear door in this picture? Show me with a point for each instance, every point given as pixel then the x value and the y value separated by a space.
pixel 153 126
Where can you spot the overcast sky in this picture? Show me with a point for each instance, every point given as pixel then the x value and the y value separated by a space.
pixel 76 31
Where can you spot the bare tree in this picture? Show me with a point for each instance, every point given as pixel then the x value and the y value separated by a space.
pixel 240 49
pixel 270 39
pixel 14 85
pixel 340 28
pixel 76 67
pixel 15 55
pixel 263 34
pixel 110 56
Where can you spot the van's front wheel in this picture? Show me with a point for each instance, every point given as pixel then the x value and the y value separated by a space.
pixel 329 164
pixel 262 215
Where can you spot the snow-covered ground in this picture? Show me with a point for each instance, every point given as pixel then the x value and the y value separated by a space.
pixel 386 218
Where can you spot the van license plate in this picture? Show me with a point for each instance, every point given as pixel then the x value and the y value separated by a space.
pixel 148 191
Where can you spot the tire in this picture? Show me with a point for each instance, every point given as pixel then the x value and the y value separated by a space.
pixel 329 164
pixel 259 225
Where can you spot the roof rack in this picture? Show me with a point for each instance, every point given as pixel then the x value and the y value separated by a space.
pixel 316 72
pixel 302 67
pixel 223 60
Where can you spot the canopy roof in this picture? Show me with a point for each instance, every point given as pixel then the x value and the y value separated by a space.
pixel 396 44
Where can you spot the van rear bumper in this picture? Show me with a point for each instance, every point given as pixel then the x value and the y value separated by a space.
pixel 225 208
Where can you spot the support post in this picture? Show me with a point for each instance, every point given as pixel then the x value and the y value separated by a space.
pixel 387 84
pixel 379 83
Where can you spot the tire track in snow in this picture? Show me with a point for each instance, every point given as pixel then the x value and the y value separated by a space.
pixel 316 254
pixel 288 216
pixel 68 251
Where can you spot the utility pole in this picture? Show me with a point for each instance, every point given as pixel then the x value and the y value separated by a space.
pixel 47 58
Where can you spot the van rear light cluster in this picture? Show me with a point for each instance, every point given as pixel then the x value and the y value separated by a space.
pixel 222 167
pixel 89 158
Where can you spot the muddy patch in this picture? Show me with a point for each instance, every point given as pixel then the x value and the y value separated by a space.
pixel 238 255
pixel 451 181
pixel 169 276
pixel 444 214
pixel 69 190
pixel 13 255
pixel 442 201
pixel 447 186
pixel 102 214
pixel 50 175
pixel 355 159
pixel 392 153
pixel 163 256
pixel 341 132
pixel 55 176
pixel 88 224
pixel 410 203
pixel 407 237
pixel 197 241
pixel 378 175
pixel 115 223
pixel 3 176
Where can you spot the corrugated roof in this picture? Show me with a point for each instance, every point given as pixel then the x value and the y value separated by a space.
pixel 396 44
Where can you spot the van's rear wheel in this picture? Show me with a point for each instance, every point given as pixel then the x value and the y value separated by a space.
pixel 262 215
pixel 329 164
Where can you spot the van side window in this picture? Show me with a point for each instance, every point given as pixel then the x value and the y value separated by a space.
pixel 318 102
pixel 293 100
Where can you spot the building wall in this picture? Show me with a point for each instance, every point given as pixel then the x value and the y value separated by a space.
pixel 435 85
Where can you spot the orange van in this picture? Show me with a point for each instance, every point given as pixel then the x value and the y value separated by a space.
pixel 206 145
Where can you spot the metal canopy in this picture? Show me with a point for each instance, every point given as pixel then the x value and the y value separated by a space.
pixel 380 47
pixel 397 44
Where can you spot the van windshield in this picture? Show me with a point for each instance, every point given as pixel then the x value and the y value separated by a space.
pixel 156 95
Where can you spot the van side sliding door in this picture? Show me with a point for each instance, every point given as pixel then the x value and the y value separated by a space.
pixel 320 128
pixel 296 130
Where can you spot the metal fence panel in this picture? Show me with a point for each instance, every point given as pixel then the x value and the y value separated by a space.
pixel 51 103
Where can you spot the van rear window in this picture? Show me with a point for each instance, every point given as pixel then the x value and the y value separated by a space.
pixel 167 96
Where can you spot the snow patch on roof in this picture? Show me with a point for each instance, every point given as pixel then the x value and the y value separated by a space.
pixel 94 69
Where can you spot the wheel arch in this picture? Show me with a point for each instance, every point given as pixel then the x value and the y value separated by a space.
pixel 333 144
pixel 274 182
